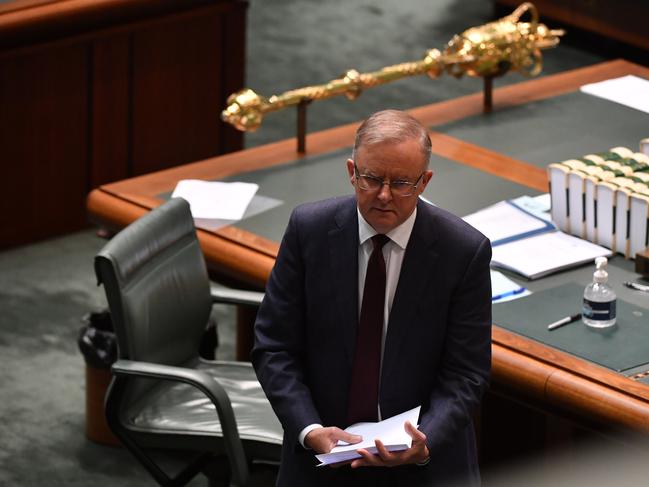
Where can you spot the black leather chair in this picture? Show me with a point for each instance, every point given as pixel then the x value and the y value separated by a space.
pixel 163 395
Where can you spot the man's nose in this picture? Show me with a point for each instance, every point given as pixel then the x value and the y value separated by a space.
pixel 384 193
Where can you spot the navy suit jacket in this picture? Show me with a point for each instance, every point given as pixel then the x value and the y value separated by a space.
pixel 437 350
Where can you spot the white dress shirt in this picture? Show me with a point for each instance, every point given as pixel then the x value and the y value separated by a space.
pixel 393 252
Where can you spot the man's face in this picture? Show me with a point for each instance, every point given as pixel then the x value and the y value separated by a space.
pixel 402 161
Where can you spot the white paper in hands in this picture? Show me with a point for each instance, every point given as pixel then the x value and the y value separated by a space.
pixel 390 431
pixel 215 199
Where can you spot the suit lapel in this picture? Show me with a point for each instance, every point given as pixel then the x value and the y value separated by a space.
pixel 343 253
pixel 418 267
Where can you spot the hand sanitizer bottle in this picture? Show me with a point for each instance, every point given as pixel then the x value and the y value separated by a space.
pixel 599 298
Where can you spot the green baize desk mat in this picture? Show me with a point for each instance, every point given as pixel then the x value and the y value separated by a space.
pixel 553 129
pixel 456 187
pixel 620 347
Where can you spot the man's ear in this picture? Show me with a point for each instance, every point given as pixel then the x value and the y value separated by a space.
pixel 350 171
pixel 428 175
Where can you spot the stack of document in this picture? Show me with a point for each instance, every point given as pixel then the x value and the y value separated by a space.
pixel 390 431
pixel 528 244
pixel 603 198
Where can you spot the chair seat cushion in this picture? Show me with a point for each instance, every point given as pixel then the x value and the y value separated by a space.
pixel 172 407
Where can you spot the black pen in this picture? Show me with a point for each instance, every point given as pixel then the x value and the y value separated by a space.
pixel 563 321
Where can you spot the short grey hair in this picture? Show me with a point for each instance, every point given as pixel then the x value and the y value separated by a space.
pixel 392 126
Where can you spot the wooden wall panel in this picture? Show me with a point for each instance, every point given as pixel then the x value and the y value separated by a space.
pixel 28 22
pixel 43 143
pixel 94 91
pixel 110 110
pixel 233 26
pixel 176 80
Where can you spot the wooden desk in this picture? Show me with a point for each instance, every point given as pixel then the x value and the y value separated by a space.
pixel 529 371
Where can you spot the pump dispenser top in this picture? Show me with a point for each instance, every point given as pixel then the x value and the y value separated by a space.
pixel 600 275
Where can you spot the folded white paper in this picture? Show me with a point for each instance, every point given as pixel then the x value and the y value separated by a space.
pixel 215 199
pixel 390 431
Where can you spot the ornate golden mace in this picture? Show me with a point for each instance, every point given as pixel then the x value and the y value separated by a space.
pixel 488 51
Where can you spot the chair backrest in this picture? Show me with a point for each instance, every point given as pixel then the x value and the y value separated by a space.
pixel 157 286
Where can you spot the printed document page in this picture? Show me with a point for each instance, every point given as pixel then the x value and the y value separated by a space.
pixel 390 431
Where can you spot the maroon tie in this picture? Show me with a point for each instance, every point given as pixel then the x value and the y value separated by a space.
pixel 364 391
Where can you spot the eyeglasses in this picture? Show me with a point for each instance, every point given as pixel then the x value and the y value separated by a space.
pixel 399 187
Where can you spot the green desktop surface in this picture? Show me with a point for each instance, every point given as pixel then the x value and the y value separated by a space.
pixel 621 347
pixel 456 187
pixel 462 190
pixel 554 129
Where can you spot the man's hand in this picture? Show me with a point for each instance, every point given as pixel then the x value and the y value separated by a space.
pixel 322 440
pixel 417 453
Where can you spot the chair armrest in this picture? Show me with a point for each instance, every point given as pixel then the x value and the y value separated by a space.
pixel 235 296
pixel 212 389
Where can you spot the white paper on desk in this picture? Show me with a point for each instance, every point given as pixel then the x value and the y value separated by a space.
pixel 215 199
pixel 390 431
pixel 545 253
pixel 505 220
pixel 504 289
pixel 629 90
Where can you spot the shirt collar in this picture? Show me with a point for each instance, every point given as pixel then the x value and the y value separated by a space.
pixel 399 235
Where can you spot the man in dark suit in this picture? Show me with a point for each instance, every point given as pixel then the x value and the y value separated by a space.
pixel 378 303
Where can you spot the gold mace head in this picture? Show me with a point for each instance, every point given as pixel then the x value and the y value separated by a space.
pixel 244 110
pixel 501 46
